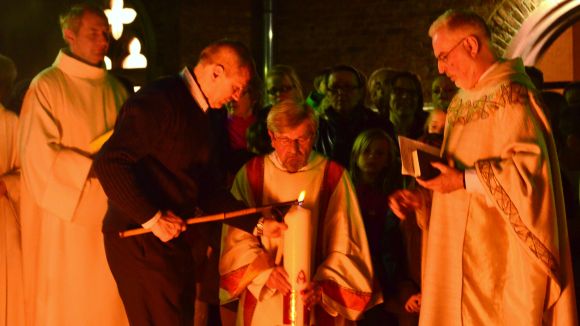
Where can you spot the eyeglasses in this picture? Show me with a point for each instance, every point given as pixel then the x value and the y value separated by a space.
pixel 285 141
pixel 279 90
pixel 442 57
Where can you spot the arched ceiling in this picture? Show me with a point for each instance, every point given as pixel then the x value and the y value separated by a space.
pixel 527 28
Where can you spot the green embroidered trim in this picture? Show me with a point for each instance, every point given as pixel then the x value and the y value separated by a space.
pixel 462 111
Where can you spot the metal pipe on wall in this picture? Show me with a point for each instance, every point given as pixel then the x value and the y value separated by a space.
pixel 268 35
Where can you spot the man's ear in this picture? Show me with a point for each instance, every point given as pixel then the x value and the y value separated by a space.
pixel 68 36
pixel 473 45
pixel 271 134
pixel 217 71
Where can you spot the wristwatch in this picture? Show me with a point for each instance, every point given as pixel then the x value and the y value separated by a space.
pixel 260 227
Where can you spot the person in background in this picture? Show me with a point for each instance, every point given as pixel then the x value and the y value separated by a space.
pixel 406 105
pixel 67 107
pixel 436 122
pixel 317 98
pixel 554 104
pixel 8 75
pixel 340 287
pixel 375 173
pixel 282 83
pixel 434 128
pixel 11 283
pixel 234 121
pixel 442 91
pixel 379 86
pixel 497 251
pixel 346 115
pixel 569 153
pixel 14 102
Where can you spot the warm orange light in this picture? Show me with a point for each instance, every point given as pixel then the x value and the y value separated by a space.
pixel 108 63
pixel 119 16
pixel 301 196
pixel 135 59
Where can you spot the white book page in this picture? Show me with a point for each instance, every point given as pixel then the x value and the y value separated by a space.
pixel 407 146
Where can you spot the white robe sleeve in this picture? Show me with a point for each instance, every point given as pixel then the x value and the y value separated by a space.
pixel 55 174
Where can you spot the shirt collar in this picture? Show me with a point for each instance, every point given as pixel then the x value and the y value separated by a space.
pixel 194 89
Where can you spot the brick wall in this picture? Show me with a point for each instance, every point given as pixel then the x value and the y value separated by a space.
pixel 309 35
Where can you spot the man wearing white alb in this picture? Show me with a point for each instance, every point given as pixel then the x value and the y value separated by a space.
pixel 68 107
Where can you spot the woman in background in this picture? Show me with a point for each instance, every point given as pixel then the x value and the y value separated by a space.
pixel 375 173
pixel 281 83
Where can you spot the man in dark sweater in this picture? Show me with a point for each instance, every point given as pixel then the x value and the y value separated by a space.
pixel 158 168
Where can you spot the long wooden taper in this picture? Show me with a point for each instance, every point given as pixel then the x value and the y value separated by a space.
pixel 212 218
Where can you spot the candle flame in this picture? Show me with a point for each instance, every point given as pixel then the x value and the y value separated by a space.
pixel 301 197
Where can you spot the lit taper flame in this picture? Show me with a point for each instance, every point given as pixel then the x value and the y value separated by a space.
pixel 301 197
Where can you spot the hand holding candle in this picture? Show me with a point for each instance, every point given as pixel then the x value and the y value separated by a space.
pixel 311 294
pixel 278 281
pixel 273 228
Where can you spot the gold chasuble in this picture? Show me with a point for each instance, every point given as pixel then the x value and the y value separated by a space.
pixel 499 255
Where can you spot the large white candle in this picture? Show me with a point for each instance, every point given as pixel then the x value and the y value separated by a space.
pixel 297 253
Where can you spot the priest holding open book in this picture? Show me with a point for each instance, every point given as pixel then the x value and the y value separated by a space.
pixel 497 249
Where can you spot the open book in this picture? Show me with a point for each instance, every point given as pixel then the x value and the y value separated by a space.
pixel 416 158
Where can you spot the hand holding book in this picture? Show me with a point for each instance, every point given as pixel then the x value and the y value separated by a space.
pixel 449 180
pixel 423 162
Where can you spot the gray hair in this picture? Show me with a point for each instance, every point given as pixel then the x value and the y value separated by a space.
pixel 454 19
pixel 289 114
